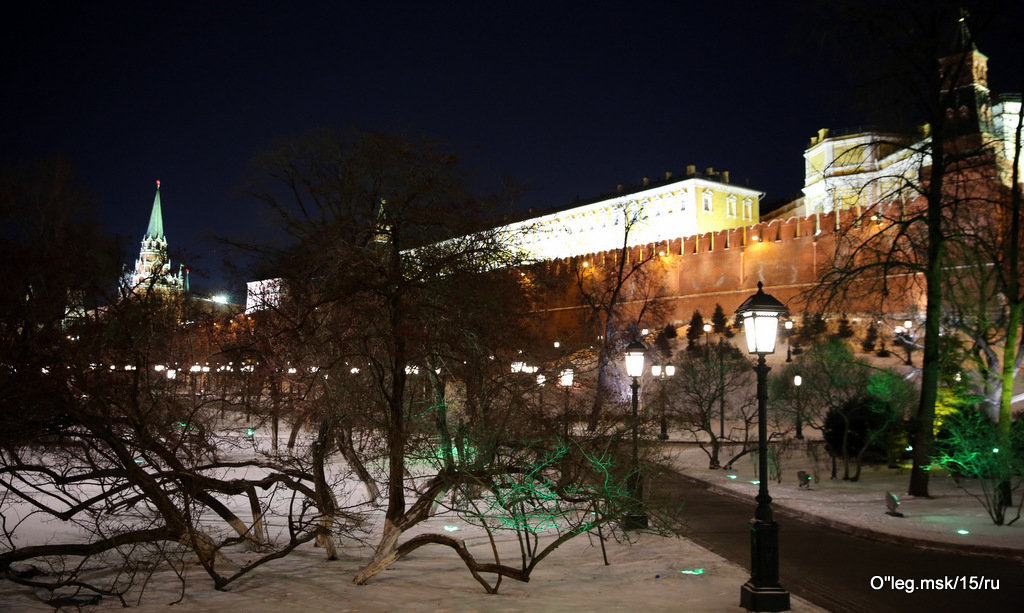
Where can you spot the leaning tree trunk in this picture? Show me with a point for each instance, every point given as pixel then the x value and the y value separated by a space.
pixel 325 497
pixel 348 451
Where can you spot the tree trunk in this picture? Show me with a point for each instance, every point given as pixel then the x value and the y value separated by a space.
pixel 274 425
pixel 385 556
pixel 294 434
pixel 258 531
pixel 349 453
pixel 924 436
pixel 326 502
pixel 716 444
pixel 1011 359
pixel 601 391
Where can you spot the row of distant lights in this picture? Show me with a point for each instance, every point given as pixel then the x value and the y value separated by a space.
pixel 172 373
pixel 197 368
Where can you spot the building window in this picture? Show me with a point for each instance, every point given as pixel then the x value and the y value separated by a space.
pixel 748 209
pixel 730 206
pixel 706 198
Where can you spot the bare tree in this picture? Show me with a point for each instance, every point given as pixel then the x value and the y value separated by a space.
pixel 410 310
pixel 928 192
pixel 617 297
pixel 712 384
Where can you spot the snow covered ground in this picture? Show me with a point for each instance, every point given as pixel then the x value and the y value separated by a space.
pixel 938 520
pixel 647 575
pixel 651 574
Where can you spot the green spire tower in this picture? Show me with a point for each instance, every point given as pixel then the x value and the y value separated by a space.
pixel 156 218
pixel 153 268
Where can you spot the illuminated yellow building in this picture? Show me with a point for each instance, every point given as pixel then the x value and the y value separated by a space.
pixel 846 171
pixel 652 214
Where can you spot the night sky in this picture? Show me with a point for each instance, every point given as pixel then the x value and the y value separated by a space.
pixel 565 99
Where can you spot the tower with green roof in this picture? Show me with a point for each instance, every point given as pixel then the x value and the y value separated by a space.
pixel 153 267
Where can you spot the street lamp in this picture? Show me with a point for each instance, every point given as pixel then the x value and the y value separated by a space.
pixel 565 380
pixel 902 338
pixel 762 592
pixel 707 335
pixel 789 341
pixel 661 372
pixel 541 380
pixel 797 381
pixel 635 368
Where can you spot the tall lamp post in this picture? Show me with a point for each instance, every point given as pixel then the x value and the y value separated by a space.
pixel 797 382
pixel 661 372
pixel 635 368
pixel 565 380
pixel 789 340
pixel 762 592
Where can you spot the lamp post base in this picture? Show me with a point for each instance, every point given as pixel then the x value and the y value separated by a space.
pixel 763 592
pixel 754 598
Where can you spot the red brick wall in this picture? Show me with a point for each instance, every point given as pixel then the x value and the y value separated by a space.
pixel 724 268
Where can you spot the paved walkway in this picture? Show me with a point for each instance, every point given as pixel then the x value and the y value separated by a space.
pixel 848 565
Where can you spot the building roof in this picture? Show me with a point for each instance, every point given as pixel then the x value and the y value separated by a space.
pixel 156 218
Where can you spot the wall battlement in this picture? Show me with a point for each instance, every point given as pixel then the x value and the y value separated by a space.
pixel 699 271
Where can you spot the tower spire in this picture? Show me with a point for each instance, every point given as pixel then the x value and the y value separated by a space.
pixel 964 42
pixel 156 218
pixel 153 268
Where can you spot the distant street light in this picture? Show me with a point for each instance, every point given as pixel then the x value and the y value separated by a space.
pixel 635 368
pixel 797 381
pixel 903 338
pixel 762 592
pixel 707 335
pixel 661 373
pixel 565 380
pixel 789 341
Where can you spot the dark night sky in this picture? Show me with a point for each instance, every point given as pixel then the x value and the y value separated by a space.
pixel 567 99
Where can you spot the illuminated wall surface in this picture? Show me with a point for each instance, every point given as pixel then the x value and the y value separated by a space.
pixel 655 215
pixel 844 172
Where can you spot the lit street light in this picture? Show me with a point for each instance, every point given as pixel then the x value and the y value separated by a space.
pixel 661 372
pixel 902 337
pixel 707 335
pixel 789 341
pixel 635 368
pixel 797 381
pixel 762 592
pixel 565 380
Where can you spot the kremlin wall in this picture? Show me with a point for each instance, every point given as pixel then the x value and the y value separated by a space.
pixel 697 272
